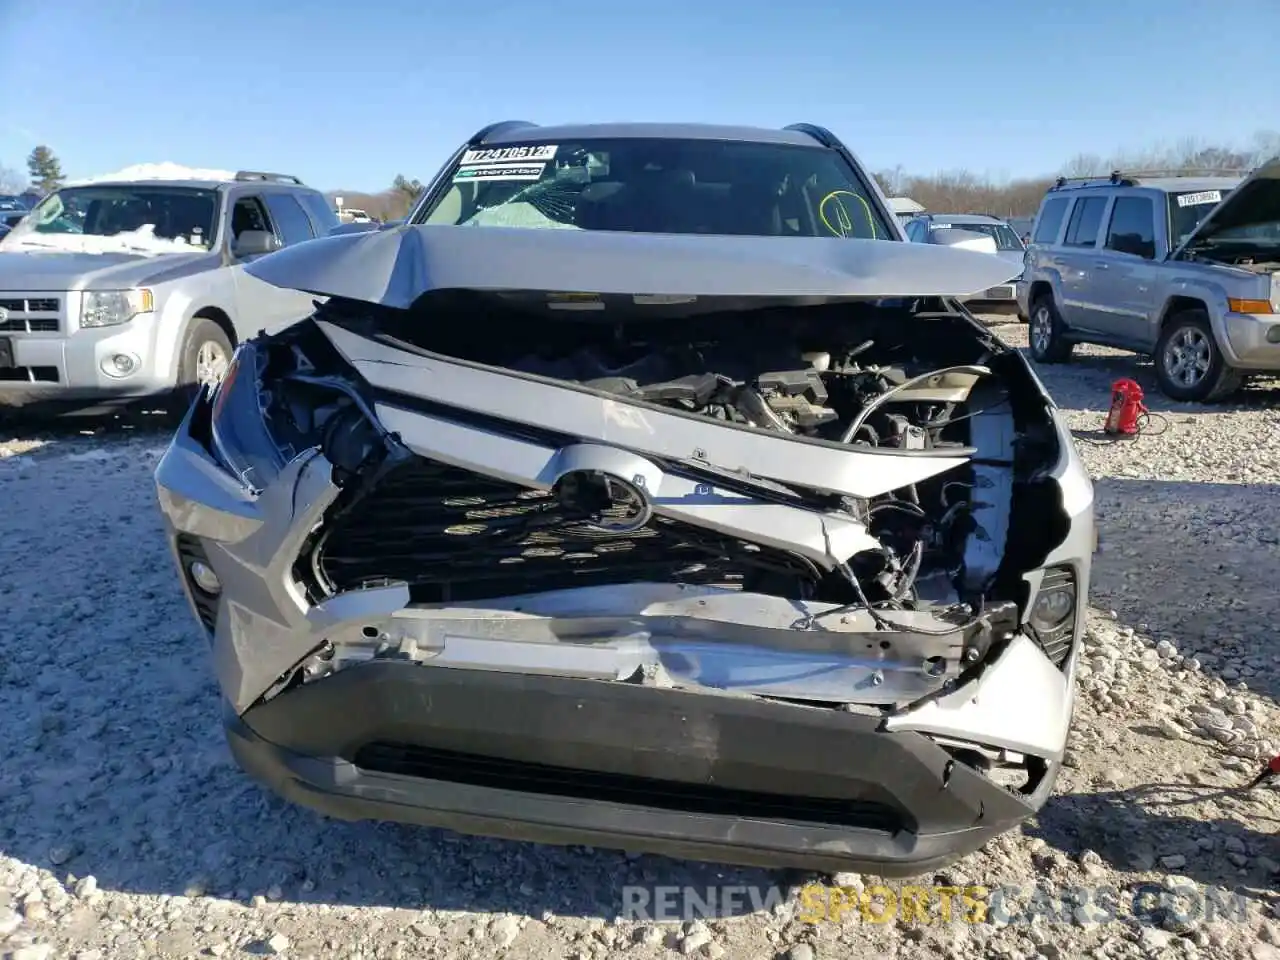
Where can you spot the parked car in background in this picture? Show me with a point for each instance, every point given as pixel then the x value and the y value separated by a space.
pixel 688 512
pixel 1005 243
pixel 352 215
pixel 119 289
pixel 1184 269
pixel 12 210
pixel 1022 227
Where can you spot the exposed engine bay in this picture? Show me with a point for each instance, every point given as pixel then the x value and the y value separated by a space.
pixel 891 380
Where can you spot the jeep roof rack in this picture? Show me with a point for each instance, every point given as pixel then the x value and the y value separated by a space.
pixel 1114 179
pixel 1132 178
pixel 249 176
pixel 1187 172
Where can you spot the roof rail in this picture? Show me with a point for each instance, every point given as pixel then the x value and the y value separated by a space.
pixel 502 126
pixel 821 134
pixel 1189 172
pixel 1131 178
pixel 246 176
pixel 1115 179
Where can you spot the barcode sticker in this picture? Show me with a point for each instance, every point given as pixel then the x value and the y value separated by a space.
pixel 1197 199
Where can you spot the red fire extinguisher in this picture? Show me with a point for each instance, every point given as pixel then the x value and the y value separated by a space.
pixel 1126 408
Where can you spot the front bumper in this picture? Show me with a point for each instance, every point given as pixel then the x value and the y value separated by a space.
pixel 556 760
pixel 1002 298
pixel 520 716
pixel 54 362
pixel 1247 342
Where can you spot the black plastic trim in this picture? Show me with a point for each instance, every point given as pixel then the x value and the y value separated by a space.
pixel 303 743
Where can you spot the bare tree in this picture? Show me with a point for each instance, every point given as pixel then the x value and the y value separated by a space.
pixel 961 191
pixel 11 181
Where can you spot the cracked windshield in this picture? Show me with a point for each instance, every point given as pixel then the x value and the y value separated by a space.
pixel 663 186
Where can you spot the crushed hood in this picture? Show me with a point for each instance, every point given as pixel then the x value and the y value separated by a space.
pixel 1255 201
pixel 395 267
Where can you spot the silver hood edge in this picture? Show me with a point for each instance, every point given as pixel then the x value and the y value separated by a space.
pixel 395 267
pixel 1243 196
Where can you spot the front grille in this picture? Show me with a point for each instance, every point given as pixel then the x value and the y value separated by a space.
pixel 189 552
pixel 29 374
pixel 453 535
pixel 541 779
pixel 28 306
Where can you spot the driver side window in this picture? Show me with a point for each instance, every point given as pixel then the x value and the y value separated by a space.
pixel 249 214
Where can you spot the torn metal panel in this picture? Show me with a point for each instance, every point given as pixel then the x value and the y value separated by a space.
pixel 1021 702
pixel 644 428
pixel 694 638
pixel 826 537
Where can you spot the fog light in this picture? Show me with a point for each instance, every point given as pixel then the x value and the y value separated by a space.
pixel 120 364
pixel 202 576
pixel 1273 334
pixel 1052 608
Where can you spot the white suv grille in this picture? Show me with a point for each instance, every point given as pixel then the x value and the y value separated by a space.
pixel 35 313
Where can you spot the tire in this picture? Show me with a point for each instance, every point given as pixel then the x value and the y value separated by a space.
pixel 206 352
pixel 1045 333
pixel 1189 363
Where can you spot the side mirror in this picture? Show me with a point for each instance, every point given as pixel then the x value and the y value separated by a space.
pixel 964 239
pixel 253 243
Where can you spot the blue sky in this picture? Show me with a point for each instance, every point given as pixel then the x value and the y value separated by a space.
pixel 347 94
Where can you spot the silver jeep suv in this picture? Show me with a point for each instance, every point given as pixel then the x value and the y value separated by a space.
pixel 114 290
pixel 1184 269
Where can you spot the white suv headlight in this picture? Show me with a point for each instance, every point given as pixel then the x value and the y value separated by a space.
pixel 107 308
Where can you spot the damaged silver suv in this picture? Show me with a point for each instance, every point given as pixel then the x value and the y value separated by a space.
pixel 645 489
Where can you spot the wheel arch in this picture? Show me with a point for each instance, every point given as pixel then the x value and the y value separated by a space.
pixel 210 312
pixel 1039 288
pixel 218 316
pixel 1180 303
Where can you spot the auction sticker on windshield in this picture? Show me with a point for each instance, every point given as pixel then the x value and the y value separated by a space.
pixel 545 151
pixel 1196 199
pixel 500 171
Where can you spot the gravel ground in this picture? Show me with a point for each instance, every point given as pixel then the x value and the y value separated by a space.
pixel 126 831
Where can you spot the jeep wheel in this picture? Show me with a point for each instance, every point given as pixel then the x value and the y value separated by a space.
pixel 1189 364
pixel 206 354
pixel 1045 335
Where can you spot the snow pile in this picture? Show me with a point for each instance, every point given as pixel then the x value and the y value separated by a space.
pixel 158 171
pixel 142 241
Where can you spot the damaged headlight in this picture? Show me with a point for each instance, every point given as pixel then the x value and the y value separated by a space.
pixel 238 428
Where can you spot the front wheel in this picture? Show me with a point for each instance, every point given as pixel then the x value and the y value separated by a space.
pixel 1045 335
pixel 1189 363
pixel 206 354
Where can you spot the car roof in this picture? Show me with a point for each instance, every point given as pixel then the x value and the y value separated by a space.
pixel 1165 184
pixel 1178 184
pixel 193 184
pixel 963 217
pixel 659 131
